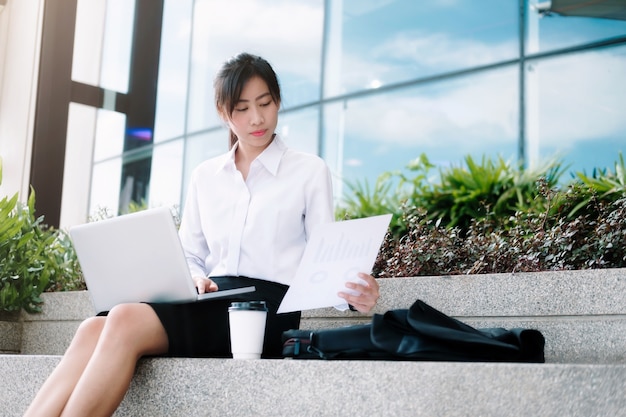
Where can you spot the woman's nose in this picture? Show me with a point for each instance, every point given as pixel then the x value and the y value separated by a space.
pixel 257 117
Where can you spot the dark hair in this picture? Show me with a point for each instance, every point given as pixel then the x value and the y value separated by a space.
pixel 231 78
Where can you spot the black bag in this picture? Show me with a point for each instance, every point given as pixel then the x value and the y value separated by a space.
pixel 419 333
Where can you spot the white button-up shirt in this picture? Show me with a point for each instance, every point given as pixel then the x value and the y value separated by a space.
pixel 259 227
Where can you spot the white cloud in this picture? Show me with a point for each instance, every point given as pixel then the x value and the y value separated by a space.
pixel 353 162
pixel 285 33
pixel 581 97
pixel 439 51
pixel 578 98
pixel 481 108
pixel 420 55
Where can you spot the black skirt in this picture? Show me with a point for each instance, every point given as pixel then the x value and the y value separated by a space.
pixel 200 329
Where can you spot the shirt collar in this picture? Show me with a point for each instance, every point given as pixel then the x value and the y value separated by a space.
pixel 228 160
pixel 269 158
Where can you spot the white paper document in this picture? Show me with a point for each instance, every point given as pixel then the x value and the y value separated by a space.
pixel 334 254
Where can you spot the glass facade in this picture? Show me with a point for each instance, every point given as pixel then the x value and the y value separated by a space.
pixel 377 43
pixel 371 85
pixel 580 107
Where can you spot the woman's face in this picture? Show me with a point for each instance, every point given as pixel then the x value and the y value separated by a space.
pixel 255 115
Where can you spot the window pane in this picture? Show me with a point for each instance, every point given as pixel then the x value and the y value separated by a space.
pixel 202 147
pixel 286 33
pixel 110 129
pixel 578 111
pixel 90 15
pixel 332 152
pixel 117 46
pixel 552 32
pixel 473 115
pixel 173 69
pixel 77 169
pixel 375 43
pixel 166 175
pixel 105 187
pixel 136 170
pixel 299 129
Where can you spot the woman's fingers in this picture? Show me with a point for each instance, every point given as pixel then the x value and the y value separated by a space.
pixel 204 284
pixel 368 293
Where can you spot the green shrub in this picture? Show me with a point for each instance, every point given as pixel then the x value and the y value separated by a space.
pixel 455 197
pixel 365 201
pixel 527 242
pixel 25 269
pixel 582 195
pixel 577 226
pixel 33 257
pixel 491 188
pixel 62 255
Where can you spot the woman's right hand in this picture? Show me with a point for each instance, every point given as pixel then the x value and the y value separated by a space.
pixel 204 284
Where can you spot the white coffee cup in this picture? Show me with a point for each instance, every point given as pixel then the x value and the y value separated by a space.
pixel 247 328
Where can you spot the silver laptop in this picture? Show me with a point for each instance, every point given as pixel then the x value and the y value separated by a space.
pixel 137 257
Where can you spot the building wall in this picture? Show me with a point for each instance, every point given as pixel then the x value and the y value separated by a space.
pixel 367 86
pixel 20 34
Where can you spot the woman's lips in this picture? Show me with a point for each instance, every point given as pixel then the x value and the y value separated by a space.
pixel 258 133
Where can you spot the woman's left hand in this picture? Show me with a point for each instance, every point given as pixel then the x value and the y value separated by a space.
pixel 368 290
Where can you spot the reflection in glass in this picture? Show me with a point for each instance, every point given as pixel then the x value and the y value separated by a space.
pixel 105 187
pixel 332 143
pixel 286 33
pixel 166 175
pixel 547 33
pixel 136 172
pixel 200 148
pixel 118 35
pixel 475 114
pixel 573 102
pixel 109 134
pixel 299 129
pixel 77 167
pixel 384 42
pixel 579 108
pixel 173 70
pixel 88 34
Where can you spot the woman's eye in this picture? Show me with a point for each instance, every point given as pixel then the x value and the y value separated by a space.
pixel 241 109
pixel 266 104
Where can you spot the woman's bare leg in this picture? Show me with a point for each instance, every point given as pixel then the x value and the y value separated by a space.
pixel 54 393
pixel 129 332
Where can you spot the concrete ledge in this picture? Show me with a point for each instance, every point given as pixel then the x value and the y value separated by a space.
pixel 581 313
pixel 214 387
pixel 51 331
pixel 10 332
pixel 528 294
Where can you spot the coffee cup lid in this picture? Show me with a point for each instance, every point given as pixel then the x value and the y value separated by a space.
pixel 248 305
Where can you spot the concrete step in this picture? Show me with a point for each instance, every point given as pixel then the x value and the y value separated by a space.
pixel 213 387
pixel 582 314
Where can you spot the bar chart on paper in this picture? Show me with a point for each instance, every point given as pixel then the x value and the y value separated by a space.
pixel 335 254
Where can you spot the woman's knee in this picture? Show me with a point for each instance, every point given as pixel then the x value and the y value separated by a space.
pixel 137 326
pixel 128 317
pixel 88 332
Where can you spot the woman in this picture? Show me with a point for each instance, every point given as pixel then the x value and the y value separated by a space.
pixel 248 214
